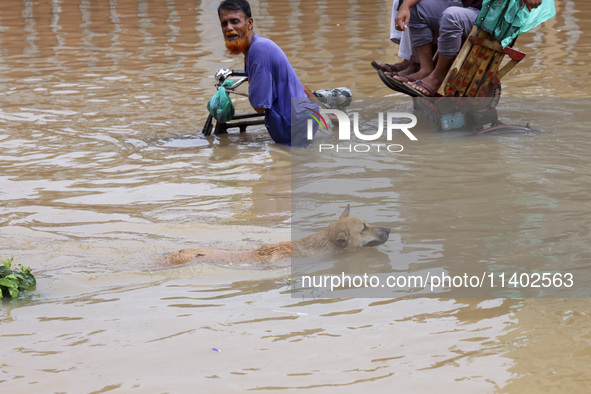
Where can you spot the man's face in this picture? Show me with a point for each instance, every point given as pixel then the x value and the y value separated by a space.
pixel 236 28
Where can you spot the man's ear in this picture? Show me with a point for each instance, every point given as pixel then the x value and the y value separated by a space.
pixel 345 213
pixel 250 22
pixel 342 239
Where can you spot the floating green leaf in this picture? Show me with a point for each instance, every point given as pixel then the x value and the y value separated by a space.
pixel 12 282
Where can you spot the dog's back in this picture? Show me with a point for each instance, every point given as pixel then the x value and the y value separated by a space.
pixel 271 254
pixel 345 233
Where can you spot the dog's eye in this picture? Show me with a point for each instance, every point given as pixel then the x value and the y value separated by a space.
pixel 364 227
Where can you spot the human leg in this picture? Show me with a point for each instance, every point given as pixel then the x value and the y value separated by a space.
pixel 424 20
pixel 404 50
pixel 455 23
pixel 410 62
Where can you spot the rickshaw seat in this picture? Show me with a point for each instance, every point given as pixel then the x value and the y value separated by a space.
pixel 477 68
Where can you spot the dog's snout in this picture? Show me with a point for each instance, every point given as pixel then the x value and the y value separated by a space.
pixel 385 231
pixel 381 235
pixel 384 234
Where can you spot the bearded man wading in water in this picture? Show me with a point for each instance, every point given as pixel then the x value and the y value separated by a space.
pixel 273 81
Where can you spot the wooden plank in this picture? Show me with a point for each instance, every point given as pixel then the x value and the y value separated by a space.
pixel 487 42
pixel 490 79
pixel 479 74
pixel 506 68
pixel 459 60
pixel 479 55
pixel 514 53
pixel 471 65
pixel 464 75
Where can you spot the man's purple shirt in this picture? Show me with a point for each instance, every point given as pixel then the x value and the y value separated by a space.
pixel 273 83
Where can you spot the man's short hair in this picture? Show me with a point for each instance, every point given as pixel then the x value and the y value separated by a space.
pixel 235 5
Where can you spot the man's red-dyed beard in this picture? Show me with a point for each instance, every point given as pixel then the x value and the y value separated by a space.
pixel 238 46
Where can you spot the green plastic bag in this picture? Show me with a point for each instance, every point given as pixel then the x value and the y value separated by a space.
pixel 220 105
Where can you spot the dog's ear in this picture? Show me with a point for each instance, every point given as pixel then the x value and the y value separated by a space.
pixel 342 239
pixel 345 213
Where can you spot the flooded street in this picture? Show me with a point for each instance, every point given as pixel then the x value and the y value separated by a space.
pixel 104 170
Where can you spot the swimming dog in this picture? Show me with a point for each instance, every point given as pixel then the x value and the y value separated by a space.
pixel 344 234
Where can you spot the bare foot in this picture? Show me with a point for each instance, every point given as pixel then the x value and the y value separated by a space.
pixel 394 68
pixel 428 85
pixel 412 68
pixel 402 65
pixel 421 73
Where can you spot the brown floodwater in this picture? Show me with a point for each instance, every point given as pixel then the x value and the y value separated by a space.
pixel 103 170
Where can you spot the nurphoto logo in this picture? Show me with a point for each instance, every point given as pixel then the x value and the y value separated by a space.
pixel 394 121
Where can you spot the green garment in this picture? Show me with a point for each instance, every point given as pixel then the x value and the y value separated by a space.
pixel 507 25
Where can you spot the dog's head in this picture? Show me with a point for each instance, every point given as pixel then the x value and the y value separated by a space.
pixel 350 233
